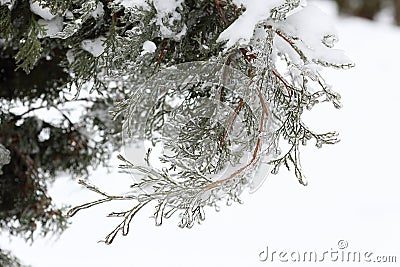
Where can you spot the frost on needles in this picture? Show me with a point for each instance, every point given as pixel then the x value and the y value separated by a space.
pixel 215 88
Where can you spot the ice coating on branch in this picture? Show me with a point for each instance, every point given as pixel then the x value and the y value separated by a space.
pixel 315 34
pixel 44 12
pixel 94 46
pixel 241 30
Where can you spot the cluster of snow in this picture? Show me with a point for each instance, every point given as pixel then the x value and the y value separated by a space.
pixel 94 46
pixel 70 56
pixel 314 31
pixel 5 2
pixel 241 30
pixel 148 47
pixel 132 3
pixel 44 12
pixel 167 15
pixel 8 3
pixel 98 13
pixel 54 23
pixel 311 26
pixel 53 26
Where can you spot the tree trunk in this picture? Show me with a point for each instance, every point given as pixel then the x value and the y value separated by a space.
pixel 369 9
pixel 365 9
pixel 397 11
pixel 344 6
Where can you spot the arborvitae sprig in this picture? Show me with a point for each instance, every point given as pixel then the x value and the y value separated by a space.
pixel 5 22
pixel 31 48
pixel 218 114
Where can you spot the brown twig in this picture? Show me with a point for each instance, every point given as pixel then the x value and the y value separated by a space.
pixel 224 75
pixel 230 121
pixel 264 114
pixel 285 83
pixel 160 57
pixel 247 56
pixel 286 39
pixel 221 11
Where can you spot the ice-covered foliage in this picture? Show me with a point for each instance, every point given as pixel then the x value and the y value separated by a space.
pixel 4 157
pixel 214 88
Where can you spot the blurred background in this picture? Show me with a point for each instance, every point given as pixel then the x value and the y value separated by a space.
pixel 370 9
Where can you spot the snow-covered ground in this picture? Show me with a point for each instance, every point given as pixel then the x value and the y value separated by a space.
pixel 353 192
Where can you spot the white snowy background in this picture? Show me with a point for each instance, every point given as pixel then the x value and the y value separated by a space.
pixel 353 191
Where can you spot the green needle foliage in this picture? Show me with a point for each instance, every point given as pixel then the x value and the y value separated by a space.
pixel 31 49
pixel 8 260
